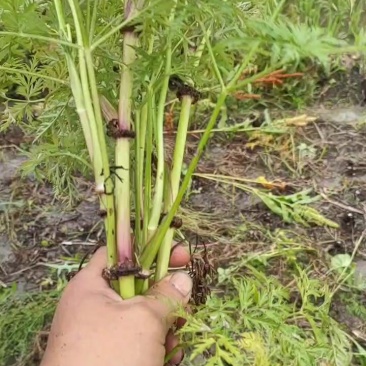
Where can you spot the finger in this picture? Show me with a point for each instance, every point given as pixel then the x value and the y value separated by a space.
pixel 180 322
pixel 98 261
pixel 92 272
pixel 174 354
pixel 179 257
pixel 168 295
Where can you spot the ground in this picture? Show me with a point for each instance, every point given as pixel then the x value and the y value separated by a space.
pixel 323 150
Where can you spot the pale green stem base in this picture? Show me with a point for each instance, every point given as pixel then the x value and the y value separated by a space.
pixel 122 204
pixel 127 287
pixel 172 191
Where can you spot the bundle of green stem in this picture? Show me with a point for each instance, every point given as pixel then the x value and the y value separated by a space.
pixel 138 132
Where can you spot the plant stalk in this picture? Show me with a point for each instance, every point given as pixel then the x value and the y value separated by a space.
pixel 176 172
pixel 157 203
pixel 122 155
pixel 172 190
pixel 86 98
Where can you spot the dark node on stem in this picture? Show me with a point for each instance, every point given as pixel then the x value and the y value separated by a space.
pixel 175 82
pixel 102 214
pixel 201 271
pixel 132 28
pixel 182 89
pixel 187 90
pixel 127 268
pixel 114 131
pixel 176 223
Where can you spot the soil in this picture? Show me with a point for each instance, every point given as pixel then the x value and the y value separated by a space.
pixel 37 231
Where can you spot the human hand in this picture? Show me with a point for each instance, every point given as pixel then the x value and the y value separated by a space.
pixel 93 326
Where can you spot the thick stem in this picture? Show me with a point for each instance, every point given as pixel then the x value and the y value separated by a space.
pixel 122 155
pixel 172 191
pixel 122 202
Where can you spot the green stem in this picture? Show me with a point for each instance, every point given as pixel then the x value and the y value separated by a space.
pixel 106 199
pixel 101 163
pixel 90 118
pixel 176 172
pixel 149 253
pixel 149 149
pixel 122 154
pixel 159 137
pixel 179 148
pixel 138 179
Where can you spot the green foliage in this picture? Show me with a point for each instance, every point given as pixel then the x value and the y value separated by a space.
pixel 295 208
pixel 21 318
pixel 33 67
pixel 355 304
pixel 254 322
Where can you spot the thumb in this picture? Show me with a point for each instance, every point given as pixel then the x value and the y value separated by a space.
pixel 168 295
pixel 91 274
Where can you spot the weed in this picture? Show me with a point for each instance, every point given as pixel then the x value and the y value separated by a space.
pixel 251 318
pixel 291 208
pixel 34 86
pixel 21 318
pixel 252 322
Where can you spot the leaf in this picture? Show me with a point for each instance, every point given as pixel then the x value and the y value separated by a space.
pixel 202 346
pixel 341 261
pixel 269 202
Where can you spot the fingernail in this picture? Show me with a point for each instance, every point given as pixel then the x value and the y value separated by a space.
pixel 182 282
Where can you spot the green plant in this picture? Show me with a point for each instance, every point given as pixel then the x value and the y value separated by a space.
pixel 291 208
pixel 88 69
pixel 150 237
pixel 252 322
pixel 21 318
